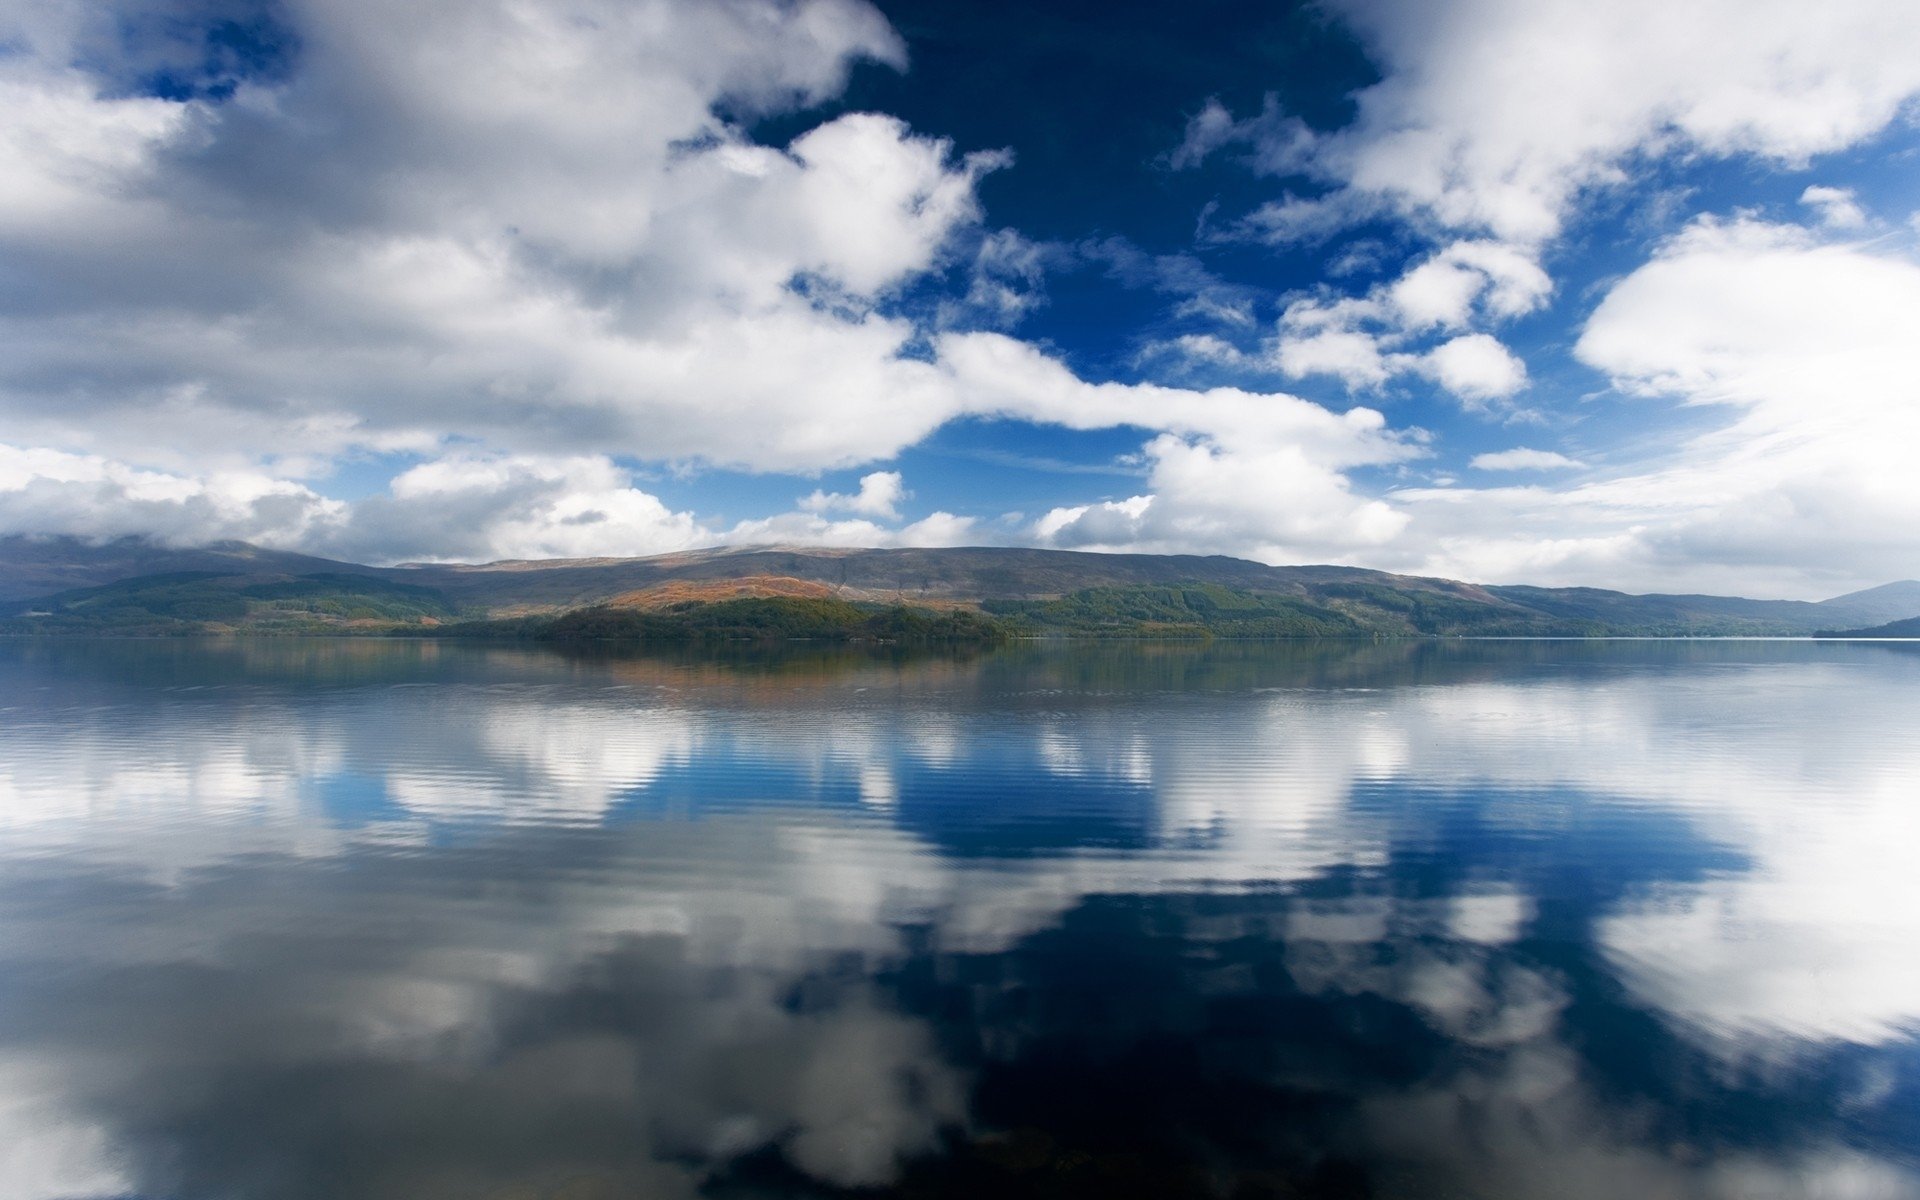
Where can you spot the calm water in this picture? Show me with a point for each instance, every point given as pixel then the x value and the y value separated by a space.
pixel 353 919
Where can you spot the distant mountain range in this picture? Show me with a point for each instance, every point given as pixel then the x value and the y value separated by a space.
pixel 59 584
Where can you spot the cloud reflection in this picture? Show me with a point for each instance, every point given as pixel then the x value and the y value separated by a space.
pixel 651 927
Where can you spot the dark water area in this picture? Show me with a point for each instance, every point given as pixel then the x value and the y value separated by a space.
pixel 1399 921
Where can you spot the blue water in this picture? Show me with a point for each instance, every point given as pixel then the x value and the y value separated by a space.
pixel 1487 920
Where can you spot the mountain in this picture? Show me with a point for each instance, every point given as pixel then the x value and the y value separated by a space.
pixel 138 584
pixel 1888 602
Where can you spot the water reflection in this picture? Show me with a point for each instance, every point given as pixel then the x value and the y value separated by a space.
pixel 358 919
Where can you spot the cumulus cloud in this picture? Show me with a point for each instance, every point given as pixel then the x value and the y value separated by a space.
pixel 452 509
pixel 1265 475
pixel 508 507
pixel 1445 290
pixel 459 508
pixel 1329 339
pixel 1476 368
pixel 1271 503
pixel 1414 325
pixel 880 495
pixel 521 245
pixel 523 225
pixel 1492 124
pixel 1803 487
pixel 1836 207
pixel 96 497
pixel 1494 115
pixel 525 248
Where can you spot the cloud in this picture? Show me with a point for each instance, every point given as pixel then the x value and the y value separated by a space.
pixel 523 226
pixel 812 529
pixel 1008 280
pixel 1317 340
pixel 1492 125
pixel 1522 459
pixel 95 497
pixel 1493 121
pixel 1202 294
pixel 1263 474
pixel 511 507
pixel 880 495
pixel 1445 290
pixel 1803 351
pixel 460 508
pixel 521 246
pixel 1837 207
pixel 1495 115
pixel 1275 143
pixel 1365 341
pixel 1476 368
pixel 1268 503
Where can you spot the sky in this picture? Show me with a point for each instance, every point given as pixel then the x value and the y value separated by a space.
pixel 1622 295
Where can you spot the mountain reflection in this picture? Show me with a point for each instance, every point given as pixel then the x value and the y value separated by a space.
pixel 1333 920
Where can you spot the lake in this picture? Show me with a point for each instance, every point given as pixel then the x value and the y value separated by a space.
pixel 1400 920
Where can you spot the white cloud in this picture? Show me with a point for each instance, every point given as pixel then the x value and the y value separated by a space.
pixel 880 495
pixel 90 496
pixel 1444 290
pixel 518 225
pixel 1837 207
pixel 1766 319
pixel 812 529
pixel 1523 459
pixel 452 509
pixel 1352 355
pixel 507 507
pixel 1365 341
pixel 939 528
pixel 1492 122
pixel 1802 487
pixel 1495 114
pixel 1263 475
pixel 1009 280
pixel 1476 368
pixel 1270 503
pixel 517 243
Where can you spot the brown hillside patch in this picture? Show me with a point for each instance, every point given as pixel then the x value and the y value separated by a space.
pixel 708 591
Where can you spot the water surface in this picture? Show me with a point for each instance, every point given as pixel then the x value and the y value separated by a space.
pixel 358 919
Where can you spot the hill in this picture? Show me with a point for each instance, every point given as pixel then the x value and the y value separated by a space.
pixel 1909 628
pixel 33 567
pixel 1888 602
pixel 211 602
pixel 132 585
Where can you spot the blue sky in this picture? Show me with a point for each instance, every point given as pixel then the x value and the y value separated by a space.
pixel 1550 292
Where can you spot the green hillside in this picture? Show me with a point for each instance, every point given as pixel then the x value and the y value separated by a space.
pixel 1909 628
pixel 206 602
pixel 138 587
pixel 772 619
pixel 1188 610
